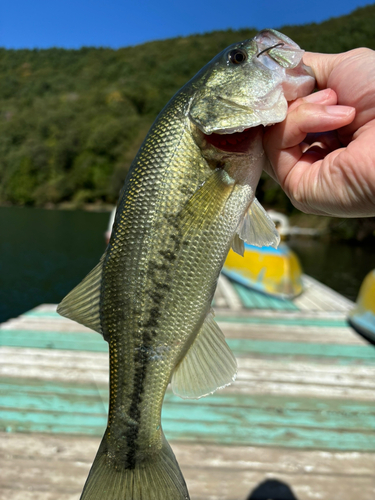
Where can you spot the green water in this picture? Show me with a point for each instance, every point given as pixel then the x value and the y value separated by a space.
pixel 45 253
pixel 338 265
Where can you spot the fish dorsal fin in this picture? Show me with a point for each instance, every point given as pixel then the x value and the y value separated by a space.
pixel 238 245
pixel 208 365
pixel 257 228
pixel 83 302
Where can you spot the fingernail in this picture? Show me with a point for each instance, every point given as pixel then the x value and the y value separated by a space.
pixel 339 110
pixel 319 97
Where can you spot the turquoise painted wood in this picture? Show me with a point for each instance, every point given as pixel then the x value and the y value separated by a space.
pixel 94 342
pixel 29 386
pixel 244 346
pixel 64 391
pixel 30 405
pixel 28 421
pixel 75 411
pixel 218 432
pixel 284 321
pixel 221 418
pixel 252 299
pixel 271 436
pixel 233 318
pixel 90 341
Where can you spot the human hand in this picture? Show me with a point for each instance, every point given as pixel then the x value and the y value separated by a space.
pixel 323 153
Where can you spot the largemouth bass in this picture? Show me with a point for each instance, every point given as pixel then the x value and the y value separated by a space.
pixel 188 197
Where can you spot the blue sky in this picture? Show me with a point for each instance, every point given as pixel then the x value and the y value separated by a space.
pixel 118 23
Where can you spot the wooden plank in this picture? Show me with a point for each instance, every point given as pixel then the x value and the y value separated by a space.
pixel 44 467
pixel 57 324
pixel 255 300
pixel 292 333
pixel 324 319
pixel 317 296
pixel 73 392
pixel 305 370
pixel 83 449
pixel 287 320
pixel 278 410
pixel 49 314
pixel 55 373
pixel 231 297
pixel 256 375
pixel 44 359
pixel 95 343
pixel 354 352
pixel 283 330
pixel 25 359
pixel 50 364
pixel 224 418
pixel 264 435
pixel 54 340
pixel 302 387
pixel 298 389
pixel 325 380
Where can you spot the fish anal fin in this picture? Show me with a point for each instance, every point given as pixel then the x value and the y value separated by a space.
pixel 82 304
pixel 208 365
pixel 257 228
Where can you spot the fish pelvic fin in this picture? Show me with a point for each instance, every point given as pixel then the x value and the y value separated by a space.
pixel 156 477
pixel 82 304
pixel 257 228
pixel 238 245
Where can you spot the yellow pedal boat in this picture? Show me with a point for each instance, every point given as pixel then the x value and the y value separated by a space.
pixel 273 271
pixel 362 317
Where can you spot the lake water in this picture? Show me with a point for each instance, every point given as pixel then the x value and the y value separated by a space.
pixel 45 253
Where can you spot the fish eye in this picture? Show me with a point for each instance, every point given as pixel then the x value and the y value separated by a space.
pixel 237 56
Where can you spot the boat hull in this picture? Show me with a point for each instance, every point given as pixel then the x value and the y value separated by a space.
pixel 275 272
pixel 362 317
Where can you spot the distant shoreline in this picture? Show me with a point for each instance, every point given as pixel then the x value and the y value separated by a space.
pixel 86 207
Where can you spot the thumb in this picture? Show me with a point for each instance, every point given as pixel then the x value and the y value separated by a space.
pixel 322 66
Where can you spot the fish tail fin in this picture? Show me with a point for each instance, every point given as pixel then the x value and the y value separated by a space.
pixel 157 476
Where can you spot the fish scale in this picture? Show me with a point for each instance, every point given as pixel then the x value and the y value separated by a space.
pixel 184 203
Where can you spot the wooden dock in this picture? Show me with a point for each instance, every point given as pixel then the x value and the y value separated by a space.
pixel 298 424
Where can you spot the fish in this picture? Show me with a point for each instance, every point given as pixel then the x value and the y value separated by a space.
pixel 188 197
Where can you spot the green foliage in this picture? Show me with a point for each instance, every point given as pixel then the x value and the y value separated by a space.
pixel 71 121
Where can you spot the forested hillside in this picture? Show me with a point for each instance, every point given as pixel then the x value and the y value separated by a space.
pixel 71 121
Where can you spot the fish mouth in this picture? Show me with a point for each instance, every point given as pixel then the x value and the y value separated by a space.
pixel 236 142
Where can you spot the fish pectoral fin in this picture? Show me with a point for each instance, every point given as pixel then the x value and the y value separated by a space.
pixel 208 365
pixel 83 302
pixel 206 204
pixel 238 245
pixel 257 228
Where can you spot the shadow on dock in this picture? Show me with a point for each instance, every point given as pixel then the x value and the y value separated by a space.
pixel 272 489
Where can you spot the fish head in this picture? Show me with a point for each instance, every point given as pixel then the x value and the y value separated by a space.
pixel 249 84
pixel 243 89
